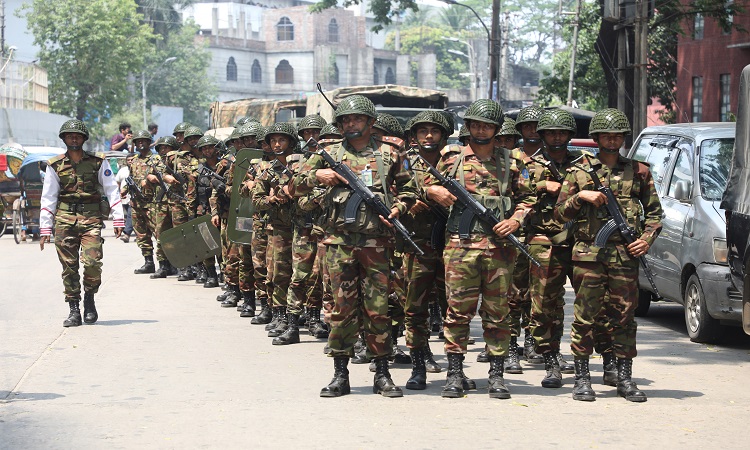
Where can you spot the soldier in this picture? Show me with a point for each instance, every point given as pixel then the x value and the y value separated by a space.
pixel 72 202
pixel 209 148
pixel 508 135
pixel 483 263
pixel 139 165
pixel 606 279
pixel 310 126
pixel 463 135
pixel 162 217
pixel 179 131
pixel 358 252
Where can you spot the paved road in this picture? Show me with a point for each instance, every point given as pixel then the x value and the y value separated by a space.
pixel 165 367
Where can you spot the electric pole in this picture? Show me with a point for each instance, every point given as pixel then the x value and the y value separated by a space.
pixel 576 21
pixel 495 51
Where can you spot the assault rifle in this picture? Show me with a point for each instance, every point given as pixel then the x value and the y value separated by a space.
pixel 549 164
pixel 133 189
pixel 437 236
pixel 166 190
pixel 474 209
pixel 361 193
pixel 177 176
pixel 617 223
pixel 214 179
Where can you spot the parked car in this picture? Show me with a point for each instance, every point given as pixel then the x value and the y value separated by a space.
pixel 690 166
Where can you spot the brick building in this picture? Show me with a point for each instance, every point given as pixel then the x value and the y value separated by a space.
pixel 709 62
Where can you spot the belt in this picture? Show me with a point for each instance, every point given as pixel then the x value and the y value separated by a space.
pixel 78 208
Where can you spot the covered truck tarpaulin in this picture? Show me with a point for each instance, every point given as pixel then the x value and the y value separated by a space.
pixel 226 114
pixel 737 194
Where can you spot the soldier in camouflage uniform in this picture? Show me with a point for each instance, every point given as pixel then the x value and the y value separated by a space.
pixel 209 147
pixel 139 165
pixel 162 216
pixel 483 263
pixel 358 253
pixel 179 132
pixel 508 135
pixel 79 192
pixel 606 279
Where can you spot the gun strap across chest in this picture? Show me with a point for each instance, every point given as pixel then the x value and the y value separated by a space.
pixel 381 168
pixel 503 173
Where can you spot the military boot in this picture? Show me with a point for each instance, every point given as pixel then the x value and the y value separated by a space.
pixel 291 334
pixel 248 304
pixel 212 278
pixel 191 272
pixel 172 269
pixel 230 301
pixel 360 350
pixel 553 379
pixel 610 368
pixel 397 355
pixel 89 308
pixel 483 356
pixel 512 362
pixel 201 274
pixel 626 387
pixel 382 383
pixel 565 367
pixel 418 379
pixel 227 290
pixel 339 385
pixel 74 318
pixel 436 319
pixel 468 383
pixel 454 382
pixel 316 327
pixel 161 272
pixel 582 389
pixel 265 314
pixel 281 325
pixel 304 318
pixel 429 361
pixel 275 320
pixel 147 267
pixel 183 275
pixel 532 357
pixel 497 387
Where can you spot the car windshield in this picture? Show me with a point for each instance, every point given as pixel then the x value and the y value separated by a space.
pixel 715 160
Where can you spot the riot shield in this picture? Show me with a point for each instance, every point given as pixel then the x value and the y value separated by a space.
pixel 191 242
pixel 240 220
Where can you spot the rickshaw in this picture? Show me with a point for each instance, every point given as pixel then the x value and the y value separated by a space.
pixel 27 206
pixel 11 158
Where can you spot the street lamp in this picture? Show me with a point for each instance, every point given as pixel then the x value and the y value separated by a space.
pixel 472 65
pixel 145 83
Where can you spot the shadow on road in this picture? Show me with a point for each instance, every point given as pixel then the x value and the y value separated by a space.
pixel 27 396
pixel 123 322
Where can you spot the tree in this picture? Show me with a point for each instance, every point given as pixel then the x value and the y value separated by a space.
pixel 88 47
pixel 381 9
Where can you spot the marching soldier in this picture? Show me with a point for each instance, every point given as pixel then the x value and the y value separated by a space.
pixel 79 192
pixel 208 146
pixel 179 131
pixel 606 279
pixel 162 217
pixel 139 165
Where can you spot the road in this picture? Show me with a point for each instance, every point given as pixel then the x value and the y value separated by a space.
pixel 166 367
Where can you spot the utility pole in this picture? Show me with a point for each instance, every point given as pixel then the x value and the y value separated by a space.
pixel 2 28
pixel 640 106
pixel 503 78
pixel 576 21
pixel 495 51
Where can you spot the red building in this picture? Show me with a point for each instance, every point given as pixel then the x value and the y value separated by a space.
pixel 709 62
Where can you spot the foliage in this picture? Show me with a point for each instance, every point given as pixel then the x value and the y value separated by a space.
pixel 383 10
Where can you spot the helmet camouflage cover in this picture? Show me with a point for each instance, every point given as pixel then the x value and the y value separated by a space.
pixel 508 128
pixel 330 130
pixel 433 117
pixel 355 104
pixel 193 131
pixel 244 121
pixel 463 133
pixel 143 134
pixel 449 119
pixel 286 129
pixel 390 125
pixel 181 127
pixel 485 110
pixel 74 126
pixel 167 140
pixel 609 120
pixel 207 141
pixel 251 129
pixel 311 122
pixel 528 114
pixel 556 119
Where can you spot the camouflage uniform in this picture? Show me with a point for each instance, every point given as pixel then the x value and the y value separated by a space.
pixel 140 167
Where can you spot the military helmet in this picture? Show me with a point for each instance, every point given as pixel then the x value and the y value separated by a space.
pixel 508 128
pixel 390 125
pixel 167 140
pixel 284 128
pixel 463 133
pixel 556 119
pixel 432 117
pixel 244 121
pixel 142 134
pixel 485 110
pixel 609 120
pixel 261 136
pixel 193 131
pixel 311 122
pixel 235 134
pixel 528 114
pixel 355 104
pixel 207 141
pixel 250 129
pixel 330 130
pixel 181 127
pixel 449 119
pixel 74 126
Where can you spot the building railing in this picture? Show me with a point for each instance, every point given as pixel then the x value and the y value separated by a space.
pixel 23 86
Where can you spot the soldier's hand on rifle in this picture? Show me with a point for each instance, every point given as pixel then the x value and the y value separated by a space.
pixel 169 179
pixel 596 198
pixel 42 240
pixel 552 187
pixel 418 207
pixel 152 179
pixel 394 215
pixel 249 184
pixel 506 227
pixel 329 177
pixel 638 248
pixel 143 183
pixel 441 196
pixel 215 221
pixel 123 193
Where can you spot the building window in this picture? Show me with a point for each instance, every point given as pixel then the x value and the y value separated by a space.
pixel 333 31
pixel 698 27
pixel 285 30
pixel 724 96
pixel 256 75
pixel 335 74
pixel 697 99
pixel 390 78
pixel 284 73
pixel 231 69
pixel 376 77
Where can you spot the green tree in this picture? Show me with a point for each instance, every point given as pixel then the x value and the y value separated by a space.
pixel 88 47
pixel 383 10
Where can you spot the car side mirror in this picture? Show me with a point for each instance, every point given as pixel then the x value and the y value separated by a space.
pixel 682 191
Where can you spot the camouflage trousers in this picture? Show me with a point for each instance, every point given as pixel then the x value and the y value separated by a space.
pixel 547 290
pixel 606 293
pixel 470 273
pixel 280 269
pixel 144 228
pixel 84 236
pixel 305 286
pixel 359 273
pixel 246 269
pixel 397 294
pixel 259 245
pixel 520 300
pixel 231 255
pixel 180 213
pixel 162 221
pixel 424 275
pixel 325 280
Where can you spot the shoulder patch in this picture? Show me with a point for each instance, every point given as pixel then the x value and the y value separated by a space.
pixel 452 148
pixel 393 141
pixel 99 155
pixel 56 158
pixel 107 173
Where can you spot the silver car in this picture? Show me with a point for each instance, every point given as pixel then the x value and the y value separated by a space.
pixel 690 165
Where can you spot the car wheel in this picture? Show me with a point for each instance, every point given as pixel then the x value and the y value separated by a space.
pixel 701 327
pixel 644 303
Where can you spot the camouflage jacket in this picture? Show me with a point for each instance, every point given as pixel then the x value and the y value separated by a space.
pixel 271 180
pixel 220 201
pixel 140 167
pixel 632 184
pixel 421 223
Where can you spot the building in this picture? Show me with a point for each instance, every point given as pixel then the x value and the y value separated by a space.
pixel 709 62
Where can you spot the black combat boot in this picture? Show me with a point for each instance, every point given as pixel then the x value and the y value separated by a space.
pixel 496 382
pixel 316 327
pixel 360 350
pixel 281 325
pixel 532 357
pixel 582 389
pixel 626 387
pixel 436 319
pixel 483 356
pixel 191 272
pixel 89 308
pixel 469 384
pixel 512 362
pixel 227 290
pixel 418 379
pixel 147 267
pixel 265 314
pixel 382 383
pixel 183 274
pixel 429 361
pixel 339 385
pixel 553 379
pixel 397 355
pixel 230 301
pixel 212 278
pixel 304 318
pixel 74 318
pixel 248 304
pixel 610 368
pixel 291 334
pixel 565 367
pixel 200 274
pixel 454 382
pixel 161 272
pixel 275 320
pixel 172 269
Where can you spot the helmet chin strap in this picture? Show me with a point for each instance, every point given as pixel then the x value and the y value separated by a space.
pixel 75 147
pixel 482 141
pixel 429 147
pixel 353 134
pixel 533 140
pixel 557 148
